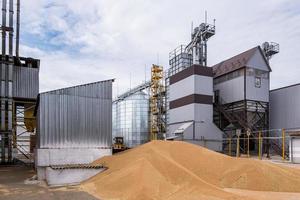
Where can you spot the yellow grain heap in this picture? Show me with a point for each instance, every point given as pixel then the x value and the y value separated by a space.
pixel 178 170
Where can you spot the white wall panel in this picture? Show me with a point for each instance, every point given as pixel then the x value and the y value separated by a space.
pixel 231 90
pixel 197 112
pixel 194 84
pixel 257 93
pixel 285 108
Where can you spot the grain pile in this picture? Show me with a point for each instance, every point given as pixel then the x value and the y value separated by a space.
pixel 179 170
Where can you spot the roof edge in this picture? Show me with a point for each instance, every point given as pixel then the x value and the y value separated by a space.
pixel 265 59
pixel 91 83
pixel 285 87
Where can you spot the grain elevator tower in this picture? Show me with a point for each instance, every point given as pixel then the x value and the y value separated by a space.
pixel 18 91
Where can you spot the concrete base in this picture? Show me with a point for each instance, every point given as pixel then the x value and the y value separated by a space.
pixel 47 157
pixel 69 176
pixel 41 173
pixel 205 134
pixel 212 145
pixel 44 158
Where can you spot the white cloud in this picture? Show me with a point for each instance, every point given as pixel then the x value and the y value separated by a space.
pixel 101 39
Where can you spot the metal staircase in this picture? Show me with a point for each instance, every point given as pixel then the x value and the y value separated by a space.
pixel 239 121
pixel 234 118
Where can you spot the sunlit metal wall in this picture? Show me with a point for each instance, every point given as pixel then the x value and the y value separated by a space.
pixel 131 119
pixel 285 107
pixel 25 82
pixel 76 117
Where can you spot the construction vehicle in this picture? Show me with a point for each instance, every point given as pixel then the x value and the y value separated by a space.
pixel 119 145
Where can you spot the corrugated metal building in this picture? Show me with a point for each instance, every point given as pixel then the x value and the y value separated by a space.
pixel 241 87
pixel 19 87
pixel 23 91
pixel 285 114
pixel 285 107
pixel 241 95
pixel 76 117
pixel 74 125
pixel 26 81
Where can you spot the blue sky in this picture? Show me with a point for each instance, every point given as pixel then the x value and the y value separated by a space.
pixel 84 41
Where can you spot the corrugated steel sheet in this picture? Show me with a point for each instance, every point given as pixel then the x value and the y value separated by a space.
pixel 131 119
pixel 285 107
pixel 25 82
pixel 76 117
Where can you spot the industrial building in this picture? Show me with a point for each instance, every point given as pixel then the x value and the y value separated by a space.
pixel 74 127
pixel 285 114
pixel 219 101
pixel 19 90
pixel 189 86
pixel 241 91
pixel 227 107
pixel 241 88
pixel 285 107
pixel 191 93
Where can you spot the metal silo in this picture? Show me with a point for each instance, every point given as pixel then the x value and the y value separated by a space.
pixel 131 119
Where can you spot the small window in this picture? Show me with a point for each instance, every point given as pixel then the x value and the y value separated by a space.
pixel 258 82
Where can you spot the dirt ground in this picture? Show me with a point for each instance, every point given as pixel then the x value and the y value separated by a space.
pixel 14 187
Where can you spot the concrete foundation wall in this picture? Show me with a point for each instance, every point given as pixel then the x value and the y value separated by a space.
pixel 47 157
pixel 213 145
pixel 69 176
pixel 206 134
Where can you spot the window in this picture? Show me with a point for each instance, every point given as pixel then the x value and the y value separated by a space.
pixel 257 82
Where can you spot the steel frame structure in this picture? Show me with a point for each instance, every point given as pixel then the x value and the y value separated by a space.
pixel 247 115
pixel 24 123
pixel 7 61
pixel 15 98
pixel 157 104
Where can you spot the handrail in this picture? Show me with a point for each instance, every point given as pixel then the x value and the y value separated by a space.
pixel 231 116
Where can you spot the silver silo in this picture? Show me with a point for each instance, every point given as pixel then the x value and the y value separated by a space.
pixel 131 119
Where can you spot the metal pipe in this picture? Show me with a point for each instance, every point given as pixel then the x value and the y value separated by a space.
pixel 259 145
pixel 18 29
pixel 2 148
pixel 238 147
pixel 10 80
pixel 283 144
pixel 3 29
pixel 229 149
pixel 10 23
pixel 248 146
pixel 3 82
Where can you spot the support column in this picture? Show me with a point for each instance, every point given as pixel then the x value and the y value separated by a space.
pixel 3 84
pixel 10 80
